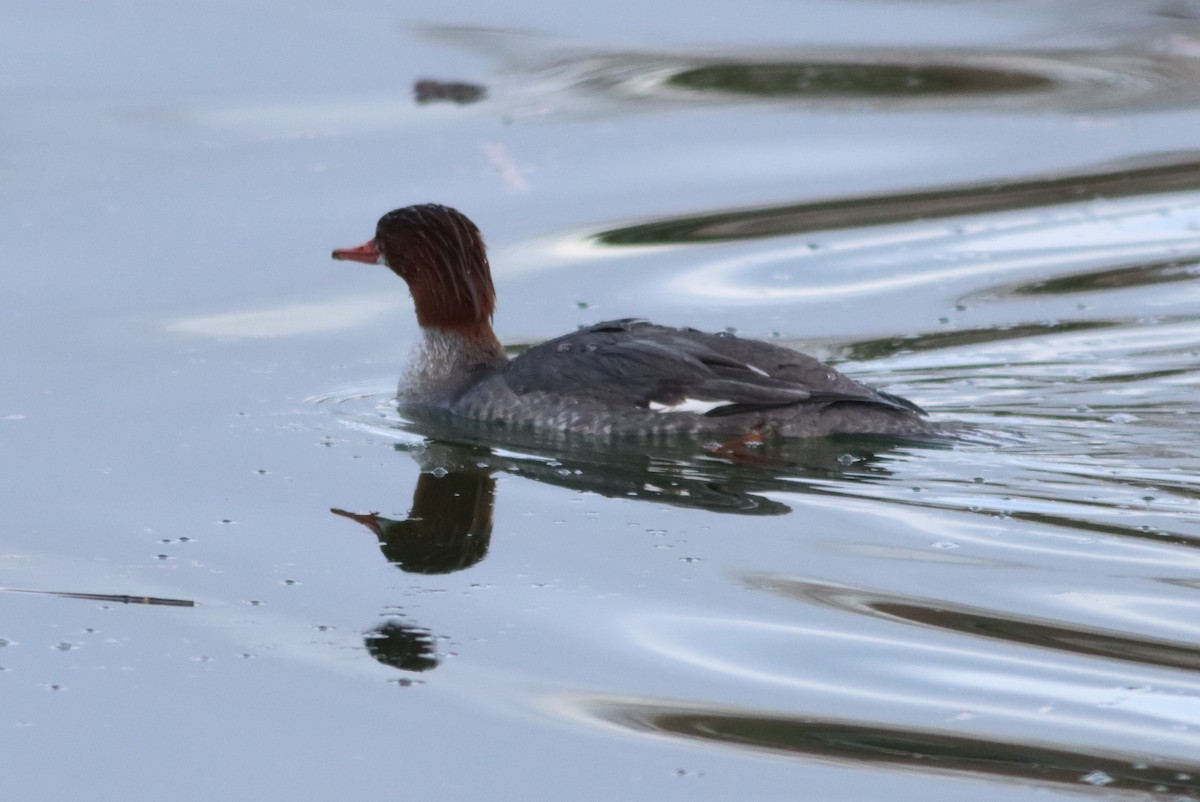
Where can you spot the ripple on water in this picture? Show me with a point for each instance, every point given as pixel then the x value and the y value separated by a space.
pixel 878 695
pixel 1146 72
pixel 863 745
pixel 369 410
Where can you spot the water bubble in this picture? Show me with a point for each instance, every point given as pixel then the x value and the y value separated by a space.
pixel 1097 778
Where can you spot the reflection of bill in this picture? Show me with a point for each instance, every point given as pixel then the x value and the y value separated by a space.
pixel 448 529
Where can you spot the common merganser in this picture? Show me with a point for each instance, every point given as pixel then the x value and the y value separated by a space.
pixel 617 378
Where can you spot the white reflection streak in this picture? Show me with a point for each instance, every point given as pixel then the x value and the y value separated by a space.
pixel 716 280
pixel 1177 615
pixel 284 321
pixel 719 280
pixel 316 118
pixel 506 167
pixel 672 637
pixel 1003 242
pixel 955 528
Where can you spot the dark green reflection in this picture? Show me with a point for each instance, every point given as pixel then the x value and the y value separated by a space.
pixel 825 79
pixel 1063 637
pixel 889 346
pixel 1169 174
pixel 1115 278
pixel 857 744
pixel 402 646
pixel 1027 630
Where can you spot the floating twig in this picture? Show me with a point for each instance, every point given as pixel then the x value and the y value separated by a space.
pixel 108 597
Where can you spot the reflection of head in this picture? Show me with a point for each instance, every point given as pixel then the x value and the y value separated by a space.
pixel 449 528
pixel 402 646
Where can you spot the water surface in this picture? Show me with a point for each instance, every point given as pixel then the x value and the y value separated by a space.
pixel 990 208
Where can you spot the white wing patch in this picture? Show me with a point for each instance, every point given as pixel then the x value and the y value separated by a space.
pixel 694 405
pixel 758 370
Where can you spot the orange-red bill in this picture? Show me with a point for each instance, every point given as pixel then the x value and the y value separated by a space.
pixel 366 253
pixel 369 520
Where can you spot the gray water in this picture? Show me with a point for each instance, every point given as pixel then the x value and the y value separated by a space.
pixel 990 208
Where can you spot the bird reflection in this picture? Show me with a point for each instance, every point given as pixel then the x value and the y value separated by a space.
pixel 448 529
pixel 402 646
pixel 449 525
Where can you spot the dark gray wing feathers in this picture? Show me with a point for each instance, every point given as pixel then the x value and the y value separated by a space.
pixel 636 364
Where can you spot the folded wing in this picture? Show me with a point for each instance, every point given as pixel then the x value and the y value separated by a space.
pixel 640 365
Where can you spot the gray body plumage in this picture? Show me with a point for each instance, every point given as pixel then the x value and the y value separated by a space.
pixel 629 377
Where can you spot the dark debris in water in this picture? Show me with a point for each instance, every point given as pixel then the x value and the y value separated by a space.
pixel 428 90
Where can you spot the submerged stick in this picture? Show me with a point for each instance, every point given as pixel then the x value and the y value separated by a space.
pixel 108 597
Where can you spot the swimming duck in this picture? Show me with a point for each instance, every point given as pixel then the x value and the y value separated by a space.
pixel 617 378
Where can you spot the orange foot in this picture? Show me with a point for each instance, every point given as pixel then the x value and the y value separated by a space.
pixel 743 449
